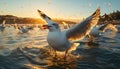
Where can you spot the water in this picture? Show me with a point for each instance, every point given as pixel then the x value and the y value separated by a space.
pixel 31 51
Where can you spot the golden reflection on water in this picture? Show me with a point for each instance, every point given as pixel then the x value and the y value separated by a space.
pixel 47 57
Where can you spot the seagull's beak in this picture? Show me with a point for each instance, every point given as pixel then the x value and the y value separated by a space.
pixel 46 26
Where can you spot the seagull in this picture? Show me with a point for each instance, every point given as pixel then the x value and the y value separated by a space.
pixel 98 29
pixel 2 27
pixel 108 26
pixel 60 40
pixel 23 30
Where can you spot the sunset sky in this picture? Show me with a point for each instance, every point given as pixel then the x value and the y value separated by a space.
pixel 57 8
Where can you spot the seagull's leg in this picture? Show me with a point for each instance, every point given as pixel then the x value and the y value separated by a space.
pixel 55 56
pixel 55 53
pixel 65 56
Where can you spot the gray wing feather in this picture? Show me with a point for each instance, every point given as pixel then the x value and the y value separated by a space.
pixel 82 29
pixel 44 16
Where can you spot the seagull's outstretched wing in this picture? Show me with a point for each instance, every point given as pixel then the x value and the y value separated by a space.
pixel 82 29
pixel 44 16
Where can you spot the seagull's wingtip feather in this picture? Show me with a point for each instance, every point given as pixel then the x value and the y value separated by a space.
pixel 39 11
pixel 43 15
pixel 97 12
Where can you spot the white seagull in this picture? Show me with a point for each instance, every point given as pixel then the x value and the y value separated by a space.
pixel 60 40
pixel 21 28
pixel 108 26
pixel 98 29
pixel 2 27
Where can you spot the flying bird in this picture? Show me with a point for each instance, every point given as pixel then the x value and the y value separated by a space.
pixel 60 40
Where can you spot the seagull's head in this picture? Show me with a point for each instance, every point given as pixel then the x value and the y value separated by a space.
pixel 52 26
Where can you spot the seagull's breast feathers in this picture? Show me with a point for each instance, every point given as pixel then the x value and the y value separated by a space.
pixel 58 41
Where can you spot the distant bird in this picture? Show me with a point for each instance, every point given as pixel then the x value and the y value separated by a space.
pixel 108 26
pixel 23 30
pixel 2 27
pixel 98 29
pixel 59 40
pixel 30 27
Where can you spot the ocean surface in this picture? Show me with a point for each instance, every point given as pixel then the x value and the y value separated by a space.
pixel 31 51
